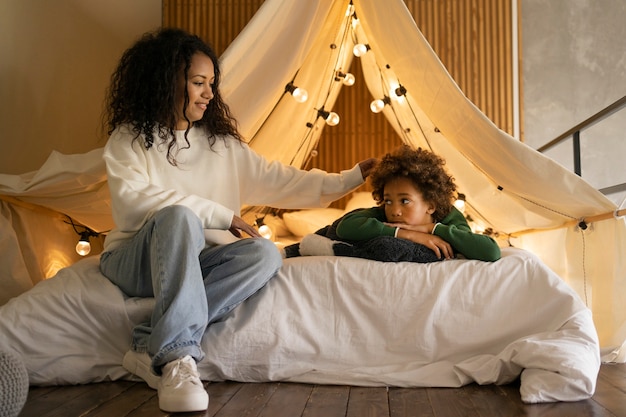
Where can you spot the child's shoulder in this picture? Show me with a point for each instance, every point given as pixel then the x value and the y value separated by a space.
pixel 454 216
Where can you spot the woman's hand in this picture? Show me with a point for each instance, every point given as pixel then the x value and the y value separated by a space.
pixel 237 226
pixel 367 165
pixel 441 248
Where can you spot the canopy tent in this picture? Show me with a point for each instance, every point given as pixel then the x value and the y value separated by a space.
pixel 509 187
pixel 527 199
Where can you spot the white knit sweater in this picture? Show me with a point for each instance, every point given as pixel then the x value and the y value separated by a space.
pixel 214 183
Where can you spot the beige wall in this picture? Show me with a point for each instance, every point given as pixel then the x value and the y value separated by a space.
pixel 56 60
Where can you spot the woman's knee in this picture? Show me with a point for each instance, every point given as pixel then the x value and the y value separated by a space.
pixel 179 221
pixel 266 253
pixel 176 216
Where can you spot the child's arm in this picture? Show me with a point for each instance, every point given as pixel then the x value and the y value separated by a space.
pixel 363 224
pixel 369 223
pixel 455 230
pixel 437 244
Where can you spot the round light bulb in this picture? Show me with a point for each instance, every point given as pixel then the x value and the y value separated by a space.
pixel 83 247
pixel 332 119
pixel 349 79
pixel 460 205
pixel 350 10
pixel 300 95
pixel 377 106
pixel 477 226
pixel 266 232
pixel 359 50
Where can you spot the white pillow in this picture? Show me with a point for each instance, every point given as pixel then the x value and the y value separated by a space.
pixel 361 199
pixel 304 222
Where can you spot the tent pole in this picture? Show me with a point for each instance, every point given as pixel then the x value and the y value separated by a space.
pixel 586 220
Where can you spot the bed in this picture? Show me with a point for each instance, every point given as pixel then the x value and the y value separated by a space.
pixel 337 320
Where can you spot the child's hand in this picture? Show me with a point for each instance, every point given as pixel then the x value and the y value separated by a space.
pixel 441 248
pixel 423 228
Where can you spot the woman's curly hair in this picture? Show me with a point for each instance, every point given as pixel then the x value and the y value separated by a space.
pixel 425 170
pixel 143 90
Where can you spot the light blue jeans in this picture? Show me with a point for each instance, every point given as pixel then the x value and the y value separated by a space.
pixel 192 286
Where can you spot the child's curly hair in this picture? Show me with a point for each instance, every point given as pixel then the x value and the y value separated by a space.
pixel 426 172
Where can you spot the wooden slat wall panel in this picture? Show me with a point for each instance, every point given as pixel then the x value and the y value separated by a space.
pixel 473 40
pixel 218 22
pixel 471 37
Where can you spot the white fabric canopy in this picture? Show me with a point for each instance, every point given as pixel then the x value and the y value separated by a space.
pixel 509 187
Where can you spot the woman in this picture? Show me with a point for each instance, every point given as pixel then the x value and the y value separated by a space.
pixel 178 173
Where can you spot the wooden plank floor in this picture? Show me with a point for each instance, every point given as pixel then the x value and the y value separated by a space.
pixel 231 399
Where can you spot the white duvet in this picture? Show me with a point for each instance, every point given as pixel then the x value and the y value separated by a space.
pixel 333 320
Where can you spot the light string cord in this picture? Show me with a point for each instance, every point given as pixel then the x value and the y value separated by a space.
pixel 306 139
pixel 384 83
pixel 251 141
pixel 584 255
pixel 309 132
pixel 87 230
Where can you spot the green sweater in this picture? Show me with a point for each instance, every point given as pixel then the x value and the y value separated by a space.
pixel 368 223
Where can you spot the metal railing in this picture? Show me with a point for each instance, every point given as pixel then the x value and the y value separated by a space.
pixel 574 133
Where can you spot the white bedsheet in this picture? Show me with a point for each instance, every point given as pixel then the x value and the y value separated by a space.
pixel 337 321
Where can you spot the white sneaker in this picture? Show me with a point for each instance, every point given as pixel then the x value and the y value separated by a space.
pixel 140 364
pixel 180 388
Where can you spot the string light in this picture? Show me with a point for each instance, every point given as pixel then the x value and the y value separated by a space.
pixel 264 230
pixel 377 106
pixel 460 202
pixel 347 78
pixel 83 247
pixel 400 91
pixel 298 94
pixel 331 118
pixel 478 227
pixel 350 10
pixel 360 49
pixel 355 21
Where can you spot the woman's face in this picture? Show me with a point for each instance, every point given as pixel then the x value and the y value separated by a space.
pixel 199 87
pixel 403 203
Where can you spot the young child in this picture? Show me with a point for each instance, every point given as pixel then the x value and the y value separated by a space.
pixel 178 172
pixel 415 196
pixel 415 220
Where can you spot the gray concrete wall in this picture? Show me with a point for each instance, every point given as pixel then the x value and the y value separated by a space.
pixel 573 65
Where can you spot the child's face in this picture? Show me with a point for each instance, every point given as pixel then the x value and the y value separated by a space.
pixel 404 204
pixel 199 87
